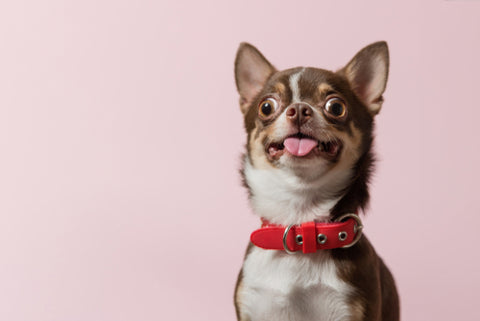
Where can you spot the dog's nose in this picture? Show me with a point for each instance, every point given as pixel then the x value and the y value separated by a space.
pixel 299 113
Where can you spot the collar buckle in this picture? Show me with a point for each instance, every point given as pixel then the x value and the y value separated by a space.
pixel 284 239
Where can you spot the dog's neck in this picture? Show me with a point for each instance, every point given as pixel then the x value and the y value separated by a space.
pixel 281 197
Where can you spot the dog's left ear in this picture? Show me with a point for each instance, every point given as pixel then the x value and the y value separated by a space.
pixel 367 74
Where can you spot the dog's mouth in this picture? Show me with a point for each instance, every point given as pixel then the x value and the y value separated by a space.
pixel 301 146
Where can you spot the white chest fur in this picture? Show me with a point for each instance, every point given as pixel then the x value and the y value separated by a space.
pixel 282 287
pixel 281 197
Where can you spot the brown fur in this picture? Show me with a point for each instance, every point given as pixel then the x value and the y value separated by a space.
pixel 376 297
pixel 238 287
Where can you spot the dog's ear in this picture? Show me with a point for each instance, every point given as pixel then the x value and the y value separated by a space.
pixel 251 73
pixel 367 74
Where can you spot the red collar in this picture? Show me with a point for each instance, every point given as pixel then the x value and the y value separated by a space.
pixel 310 236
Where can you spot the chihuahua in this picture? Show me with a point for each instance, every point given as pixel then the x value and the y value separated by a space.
pixel 307 166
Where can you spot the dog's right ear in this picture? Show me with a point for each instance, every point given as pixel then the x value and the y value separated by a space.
pixel 251 73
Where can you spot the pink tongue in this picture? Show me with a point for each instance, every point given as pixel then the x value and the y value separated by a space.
pixel 299 146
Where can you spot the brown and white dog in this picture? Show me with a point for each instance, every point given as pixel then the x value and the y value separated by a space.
pixel 309 159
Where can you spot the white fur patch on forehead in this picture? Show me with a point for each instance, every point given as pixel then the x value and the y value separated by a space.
pixel 294 86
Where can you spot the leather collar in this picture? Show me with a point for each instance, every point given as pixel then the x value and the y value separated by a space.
pixel 309 237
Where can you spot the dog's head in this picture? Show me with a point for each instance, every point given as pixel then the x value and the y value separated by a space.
pixel 310 129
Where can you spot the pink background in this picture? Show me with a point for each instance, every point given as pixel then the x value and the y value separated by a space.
pixel 120 140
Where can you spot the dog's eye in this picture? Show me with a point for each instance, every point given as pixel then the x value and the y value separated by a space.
pixel 336 107
pixel 267 107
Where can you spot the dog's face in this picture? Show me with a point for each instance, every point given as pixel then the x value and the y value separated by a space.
pixel 310 121
pixel 309 133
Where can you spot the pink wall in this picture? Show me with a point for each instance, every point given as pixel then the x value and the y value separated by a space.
pixel 120 138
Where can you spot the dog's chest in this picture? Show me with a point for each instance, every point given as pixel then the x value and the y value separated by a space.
pixel 278 286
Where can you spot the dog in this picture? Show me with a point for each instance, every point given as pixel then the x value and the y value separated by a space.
pixel 307 166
